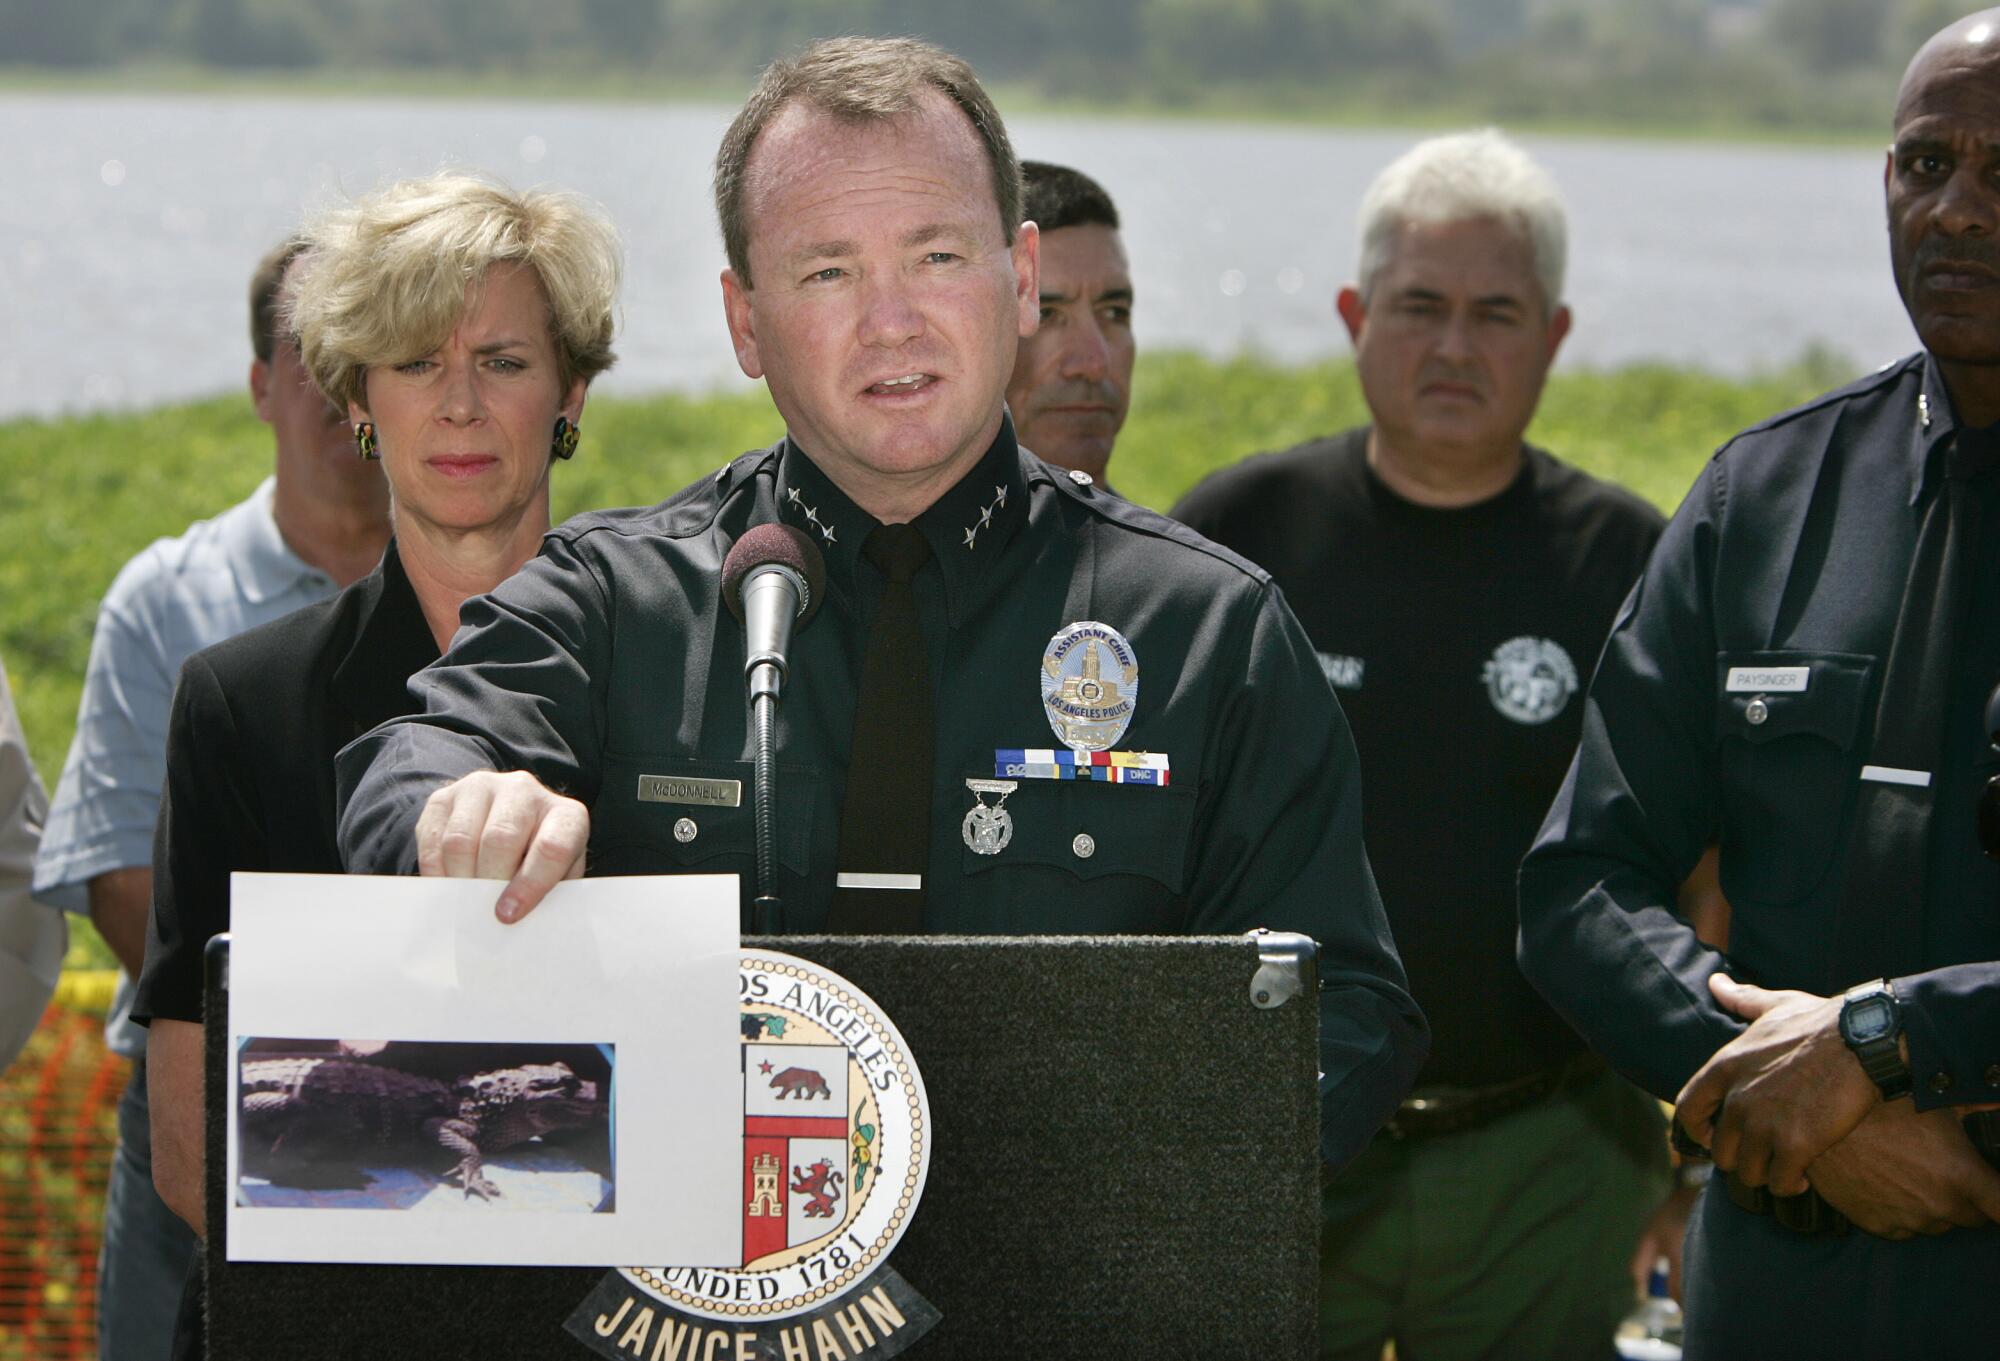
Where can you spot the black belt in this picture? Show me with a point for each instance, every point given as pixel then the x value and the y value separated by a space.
pixel 1806 1212
pixel 1452 1110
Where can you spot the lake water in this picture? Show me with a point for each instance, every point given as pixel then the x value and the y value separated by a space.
pixel 131 225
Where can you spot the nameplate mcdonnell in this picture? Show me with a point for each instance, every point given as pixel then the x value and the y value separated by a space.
pixel 1781 679
pixel 687 789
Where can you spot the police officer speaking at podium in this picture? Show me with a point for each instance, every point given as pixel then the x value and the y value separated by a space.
pixel 1802 676
pixel 1021 706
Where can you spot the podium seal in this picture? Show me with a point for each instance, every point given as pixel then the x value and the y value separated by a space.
pixel 836 1147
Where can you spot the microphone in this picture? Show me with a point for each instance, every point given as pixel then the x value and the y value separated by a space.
pixel 772 580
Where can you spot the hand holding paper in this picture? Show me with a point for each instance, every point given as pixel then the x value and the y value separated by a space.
pixel 492 826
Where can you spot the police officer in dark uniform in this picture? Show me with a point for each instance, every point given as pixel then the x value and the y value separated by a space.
pixel 1803 676
pixel 990 629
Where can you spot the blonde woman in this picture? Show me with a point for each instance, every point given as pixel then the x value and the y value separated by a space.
pixel 459 323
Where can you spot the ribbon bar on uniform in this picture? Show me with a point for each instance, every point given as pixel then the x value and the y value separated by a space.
pixel 1060 763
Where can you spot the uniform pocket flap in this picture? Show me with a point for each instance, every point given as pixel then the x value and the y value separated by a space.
pixel 1094 829
pixel 1830 701
pixel 687 812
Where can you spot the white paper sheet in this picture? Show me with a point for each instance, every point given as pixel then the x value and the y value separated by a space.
pixel 646 965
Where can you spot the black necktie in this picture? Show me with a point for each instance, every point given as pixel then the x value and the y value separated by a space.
pixel 1880 932
pixel 885 820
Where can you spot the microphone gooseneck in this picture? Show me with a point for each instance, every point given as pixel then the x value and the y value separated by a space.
pixel 773 580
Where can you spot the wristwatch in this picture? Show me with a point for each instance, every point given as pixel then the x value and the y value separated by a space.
pixel 1871 1021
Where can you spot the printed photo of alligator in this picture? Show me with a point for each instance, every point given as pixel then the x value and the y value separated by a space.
pixel 412 1124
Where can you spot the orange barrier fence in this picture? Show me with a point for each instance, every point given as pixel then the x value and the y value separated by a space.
pixel 58 1126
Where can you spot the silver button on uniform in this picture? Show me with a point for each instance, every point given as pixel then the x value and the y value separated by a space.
pixel 684 830
pixel 1756 711
pixel 1082 479
pixel 1085 845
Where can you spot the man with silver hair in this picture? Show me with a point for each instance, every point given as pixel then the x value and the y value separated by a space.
pixel 1456 581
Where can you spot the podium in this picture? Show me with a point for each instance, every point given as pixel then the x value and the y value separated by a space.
pixel 1125 1163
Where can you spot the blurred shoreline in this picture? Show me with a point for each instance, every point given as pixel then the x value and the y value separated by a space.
pixel 1598 108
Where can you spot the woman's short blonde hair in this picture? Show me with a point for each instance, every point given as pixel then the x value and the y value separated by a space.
pixel 384 279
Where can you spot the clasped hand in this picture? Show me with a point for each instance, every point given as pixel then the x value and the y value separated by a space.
pixel 1902 1172
pixel 1794 1088
pixel 1787 1105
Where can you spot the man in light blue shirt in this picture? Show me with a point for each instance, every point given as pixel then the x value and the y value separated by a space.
pixel 317 524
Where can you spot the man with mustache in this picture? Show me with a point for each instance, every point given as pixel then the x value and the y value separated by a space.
pixel 1803 675
pixel 1456 582
pixel 989 626
pixel 1073 377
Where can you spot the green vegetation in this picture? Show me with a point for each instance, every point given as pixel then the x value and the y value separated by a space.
pixel 89 492
pixel 1786 68
pixel 1649 427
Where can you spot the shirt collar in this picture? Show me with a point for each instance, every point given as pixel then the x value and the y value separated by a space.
pixel 968 528
pixel 263 563
pixel 1934 426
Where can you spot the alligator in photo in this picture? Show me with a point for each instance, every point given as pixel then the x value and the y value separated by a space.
pixel 317 1121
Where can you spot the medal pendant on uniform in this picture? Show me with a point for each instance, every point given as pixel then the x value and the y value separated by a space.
pixel 988 827
pixel 1090 685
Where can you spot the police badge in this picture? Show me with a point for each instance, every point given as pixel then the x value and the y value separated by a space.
pixel 1090 685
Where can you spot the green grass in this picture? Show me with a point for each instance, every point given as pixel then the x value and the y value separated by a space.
pixel 85 494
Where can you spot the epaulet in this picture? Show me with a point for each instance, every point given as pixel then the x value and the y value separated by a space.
pixel 688 512
pixel 1082 489
pixel 1887 376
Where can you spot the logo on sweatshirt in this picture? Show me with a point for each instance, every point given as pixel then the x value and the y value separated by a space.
pixel 1529 679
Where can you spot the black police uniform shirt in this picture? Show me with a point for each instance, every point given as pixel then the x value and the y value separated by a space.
pixel 1791 551
pixel 1458 641
pixel 256 723
pixel 612 657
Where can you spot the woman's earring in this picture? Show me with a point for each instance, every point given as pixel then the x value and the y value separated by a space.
pixel 364 440
pixel 564 443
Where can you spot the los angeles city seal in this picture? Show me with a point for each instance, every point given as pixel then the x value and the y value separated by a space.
pixel 836 1146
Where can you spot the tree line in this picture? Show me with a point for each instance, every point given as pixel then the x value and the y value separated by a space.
pixel 1799 63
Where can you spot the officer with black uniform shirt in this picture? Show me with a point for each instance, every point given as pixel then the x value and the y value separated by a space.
pixel 868 195
pixel 1803 675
